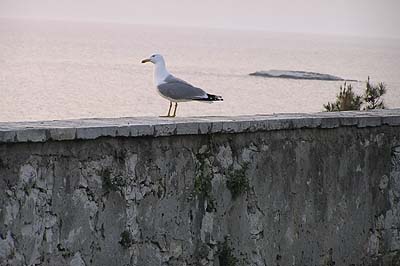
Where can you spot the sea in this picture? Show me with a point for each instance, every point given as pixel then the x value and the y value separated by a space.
pixel 52 70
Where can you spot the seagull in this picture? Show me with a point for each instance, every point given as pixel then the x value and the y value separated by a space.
pixel 174 89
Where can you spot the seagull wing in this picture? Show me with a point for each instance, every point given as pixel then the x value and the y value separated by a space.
pixel 178 89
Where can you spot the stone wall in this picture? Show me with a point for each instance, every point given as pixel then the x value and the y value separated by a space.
pixel 304 189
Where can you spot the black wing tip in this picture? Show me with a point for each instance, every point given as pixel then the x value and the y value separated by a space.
pixel 212 97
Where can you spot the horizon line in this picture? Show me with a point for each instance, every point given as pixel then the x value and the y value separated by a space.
pixel 241 29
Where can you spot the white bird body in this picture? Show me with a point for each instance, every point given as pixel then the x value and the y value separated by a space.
pixel 174 89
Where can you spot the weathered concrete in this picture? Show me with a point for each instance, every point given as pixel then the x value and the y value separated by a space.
pixel 41 131
pixel 301 189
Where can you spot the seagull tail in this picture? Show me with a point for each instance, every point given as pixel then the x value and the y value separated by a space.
pixel 211 98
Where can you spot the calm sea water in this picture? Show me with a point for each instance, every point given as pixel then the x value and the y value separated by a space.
pixel 59 70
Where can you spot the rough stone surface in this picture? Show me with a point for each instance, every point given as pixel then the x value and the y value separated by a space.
pixel 86 129
pixel 289 196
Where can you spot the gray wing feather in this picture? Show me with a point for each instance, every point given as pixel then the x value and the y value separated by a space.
pixel 173 79
pixel 178 89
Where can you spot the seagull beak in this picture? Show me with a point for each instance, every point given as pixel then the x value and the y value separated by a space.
pixel 146 60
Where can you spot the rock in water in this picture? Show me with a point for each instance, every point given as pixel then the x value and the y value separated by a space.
pixel 289 74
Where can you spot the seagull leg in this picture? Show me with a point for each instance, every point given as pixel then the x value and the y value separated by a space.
pixel 176 107
pixel 169 110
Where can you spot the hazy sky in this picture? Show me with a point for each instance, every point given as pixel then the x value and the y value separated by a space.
pixel 354 17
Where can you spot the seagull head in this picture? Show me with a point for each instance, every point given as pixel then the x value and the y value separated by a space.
pixel 155 58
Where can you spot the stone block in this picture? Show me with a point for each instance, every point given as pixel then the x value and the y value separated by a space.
pixel 62 133
pixel 370 121
pixel 31 135
pixel 330 122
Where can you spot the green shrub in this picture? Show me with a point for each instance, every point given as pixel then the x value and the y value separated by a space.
pixel 372 96
pixel 347 100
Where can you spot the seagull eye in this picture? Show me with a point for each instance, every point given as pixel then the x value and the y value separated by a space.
pixel 153 55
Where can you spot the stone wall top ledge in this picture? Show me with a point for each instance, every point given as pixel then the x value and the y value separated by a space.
pixel 41 131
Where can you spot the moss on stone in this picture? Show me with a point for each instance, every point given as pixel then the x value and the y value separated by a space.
pixel 237 181
pixel 225 254
pixel 203 178
pixel 106 178
pixel 126 239
pixel 66 253
pixel 111 182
